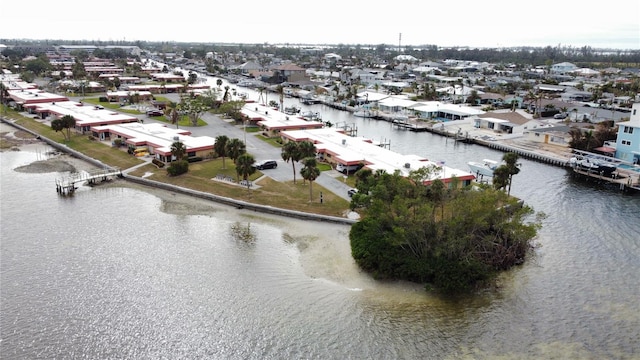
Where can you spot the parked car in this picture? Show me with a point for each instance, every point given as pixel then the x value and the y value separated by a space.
pixel 560 116
pixel 352 192
pixel 155 112
pixel 267 164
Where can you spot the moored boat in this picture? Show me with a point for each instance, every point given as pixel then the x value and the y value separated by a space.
pixel 484 168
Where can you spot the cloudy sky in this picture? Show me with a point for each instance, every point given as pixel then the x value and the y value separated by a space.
pixel 489 23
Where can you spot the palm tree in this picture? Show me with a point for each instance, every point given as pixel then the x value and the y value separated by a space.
pixel 173 112
pixel 178 150
pixel 235 147
pixel 290 151
pixel 280 91
pixel 225 97
pixel 307 149
pixel 513 167
pixel 310 172
pixel 244 167
pixel 220 147
pixel 500 177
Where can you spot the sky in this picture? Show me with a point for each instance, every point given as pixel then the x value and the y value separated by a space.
pixel 489 23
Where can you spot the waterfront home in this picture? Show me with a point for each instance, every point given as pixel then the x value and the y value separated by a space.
pixel 156 139
pixel 347 152
pixel 554 135
pixel 507 122
pixel 628 140
pixel 439 111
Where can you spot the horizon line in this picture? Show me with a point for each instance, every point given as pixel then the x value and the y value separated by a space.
pixel 324 44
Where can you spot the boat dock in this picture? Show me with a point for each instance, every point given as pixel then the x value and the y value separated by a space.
pixel 625 180
pixel 67 185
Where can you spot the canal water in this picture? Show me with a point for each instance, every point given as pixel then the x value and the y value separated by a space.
pixel 123 272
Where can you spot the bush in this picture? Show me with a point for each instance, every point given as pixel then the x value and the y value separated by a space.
pixel 194 159
pixel 103 99
pixel 178 167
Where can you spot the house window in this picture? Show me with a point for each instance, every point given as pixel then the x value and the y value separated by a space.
pixel 628 130
pixel 626 142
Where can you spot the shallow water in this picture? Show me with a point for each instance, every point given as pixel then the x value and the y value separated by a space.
pixel 128 272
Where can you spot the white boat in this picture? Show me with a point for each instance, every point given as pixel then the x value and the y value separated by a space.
pixel 311 116
pixel 484 168
pixel 291 110
pixel 363 113
pixel 586 163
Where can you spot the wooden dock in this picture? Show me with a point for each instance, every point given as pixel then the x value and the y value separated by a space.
pixel 67 185
pixel 622 179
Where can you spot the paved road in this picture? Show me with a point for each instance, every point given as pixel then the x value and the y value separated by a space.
pixel 216 126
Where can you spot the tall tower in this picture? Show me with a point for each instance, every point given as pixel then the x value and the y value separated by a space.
pixel 400 43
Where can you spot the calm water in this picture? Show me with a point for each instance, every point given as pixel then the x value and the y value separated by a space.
pixel 120 272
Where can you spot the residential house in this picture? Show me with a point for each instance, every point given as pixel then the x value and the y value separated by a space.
pixel 509 122
pixel 288 73
pixel 555 135
pixel 628 140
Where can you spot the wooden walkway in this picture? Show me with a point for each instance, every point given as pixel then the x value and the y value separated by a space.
pixel 624 180
pixel 67 185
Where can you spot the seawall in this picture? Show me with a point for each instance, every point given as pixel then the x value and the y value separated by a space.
pixel 177 189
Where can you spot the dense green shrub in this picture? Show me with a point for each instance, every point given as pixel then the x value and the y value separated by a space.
pixel 451 238
pixel 178 167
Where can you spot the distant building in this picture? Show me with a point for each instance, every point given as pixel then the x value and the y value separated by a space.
pixel 563 68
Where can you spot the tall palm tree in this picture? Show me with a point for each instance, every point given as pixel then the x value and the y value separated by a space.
pixel 178 150
pixel 307 149
pixel 235 147
pixel 291 152
pixel 244 167
pixel 220 147
pixel 280 91
pixel 174 113
pixel 310 172
pixel 513 167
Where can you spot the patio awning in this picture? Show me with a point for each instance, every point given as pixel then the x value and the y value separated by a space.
pixel 605 149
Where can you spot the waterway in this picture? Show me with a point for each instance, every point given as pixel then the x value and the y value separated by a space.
pixel 124 272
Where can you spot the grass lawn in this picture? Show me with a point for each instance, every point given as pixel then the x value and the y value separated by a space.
pixel 285 195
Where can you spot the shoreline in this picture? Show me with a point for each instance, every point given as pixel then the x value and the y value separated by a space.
pixel 238 204
pixel 324 248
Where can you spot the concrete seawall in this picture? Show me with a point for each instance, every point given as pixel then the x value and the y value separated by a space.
pixel 202 195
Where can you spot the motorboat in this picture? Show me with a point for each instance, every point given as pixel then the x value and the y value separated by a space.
pixel 291 110
pixel 592 164
pixel 589 164
pixel 484 168
pixel 311 116
pixel 363 113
